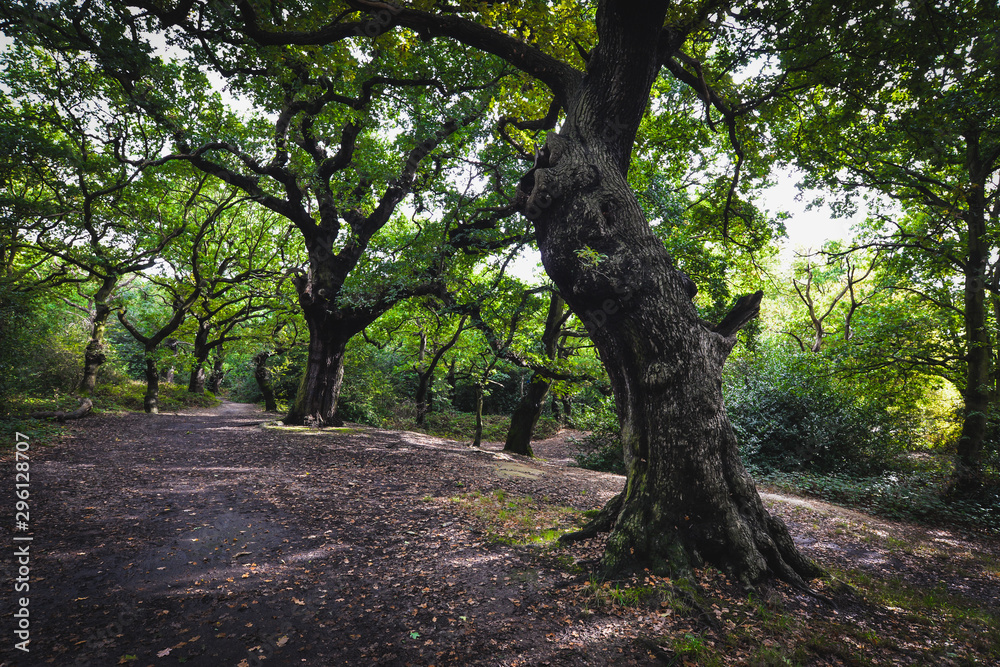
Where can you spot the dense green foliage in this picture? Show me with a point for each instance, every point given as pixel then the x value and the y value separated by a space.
pixel 373 180
pixel 791 411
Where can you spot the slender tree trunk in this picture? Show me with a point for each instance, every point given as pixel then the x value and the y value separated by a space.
pixel 477 439
pixel 424 381
pixel 425 384
pixel 979 353
pixel 168 374
pixel 968 461
pixel 452 379
pixel 688 500
pixel 316 399
pixel 94 355
pixel 262 374
pixel 529 408
pixel 151 401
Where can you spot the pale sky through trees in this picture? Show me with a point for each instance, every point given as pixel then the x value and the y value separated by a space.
pixel 806 228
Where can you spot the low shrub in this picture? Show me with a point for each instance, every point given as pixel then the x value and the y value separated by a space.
pixel 791 412
pixel 602 453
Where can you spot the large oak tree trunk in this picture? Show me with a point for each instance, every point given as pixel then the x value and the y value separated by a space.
pixel 688 500
pixel 316 399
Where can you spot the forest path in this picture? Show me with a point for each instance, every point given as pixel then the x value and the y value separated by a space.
pixel 213 538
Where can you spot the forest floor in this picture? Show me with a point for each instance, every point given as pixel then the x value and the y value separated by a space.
pixel 213 537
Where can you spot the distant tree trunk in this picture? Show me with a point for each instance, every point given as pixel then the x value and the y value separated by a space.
pixel 196 383
pixel 150 402
pixel 529 408
pixel 217 374
pixel 452 379
pixel 478 437
pixel 525 417
pixel 94 355
pixel 424 381
pixel 150 343
pixel 262 374
pixel 168 375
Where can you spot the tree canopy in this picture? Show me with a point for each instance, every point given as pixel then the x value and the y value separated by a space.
pixel 369 153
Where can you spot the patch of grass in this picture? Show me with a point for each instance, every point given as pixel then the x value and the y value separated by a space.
pixel 608 595
pixel 694 647
pixel 517 520
pixel 129 396
pixel 39 432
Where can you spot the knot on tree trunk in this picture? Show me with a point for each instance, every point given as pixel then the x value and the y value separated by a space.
pixel 543 185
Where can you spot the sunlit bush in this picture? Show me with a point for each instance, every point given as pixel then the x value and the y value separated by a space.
pixel 794 411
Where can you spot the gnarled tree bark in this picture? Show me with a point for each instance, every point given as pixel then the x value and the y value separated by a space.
pixel 688 499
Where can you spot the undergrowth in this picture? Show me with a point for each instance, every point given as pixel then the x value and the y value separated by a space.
pixel 462 426
pixel 119 397
pixel 913 496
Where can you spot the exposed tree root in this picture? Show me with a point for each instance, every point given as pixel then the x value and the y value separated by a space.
pixel 602 523
pixel 61 415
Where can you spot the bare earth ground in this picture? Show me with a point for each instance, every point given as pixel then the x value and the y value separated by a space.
pixel 210 538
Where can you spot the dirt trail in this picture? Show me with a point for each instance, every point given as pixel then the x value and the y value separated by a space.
pixel 209 538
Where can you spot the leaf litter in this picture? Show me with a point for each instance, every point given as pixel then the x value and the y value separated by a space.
pixel 211 537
